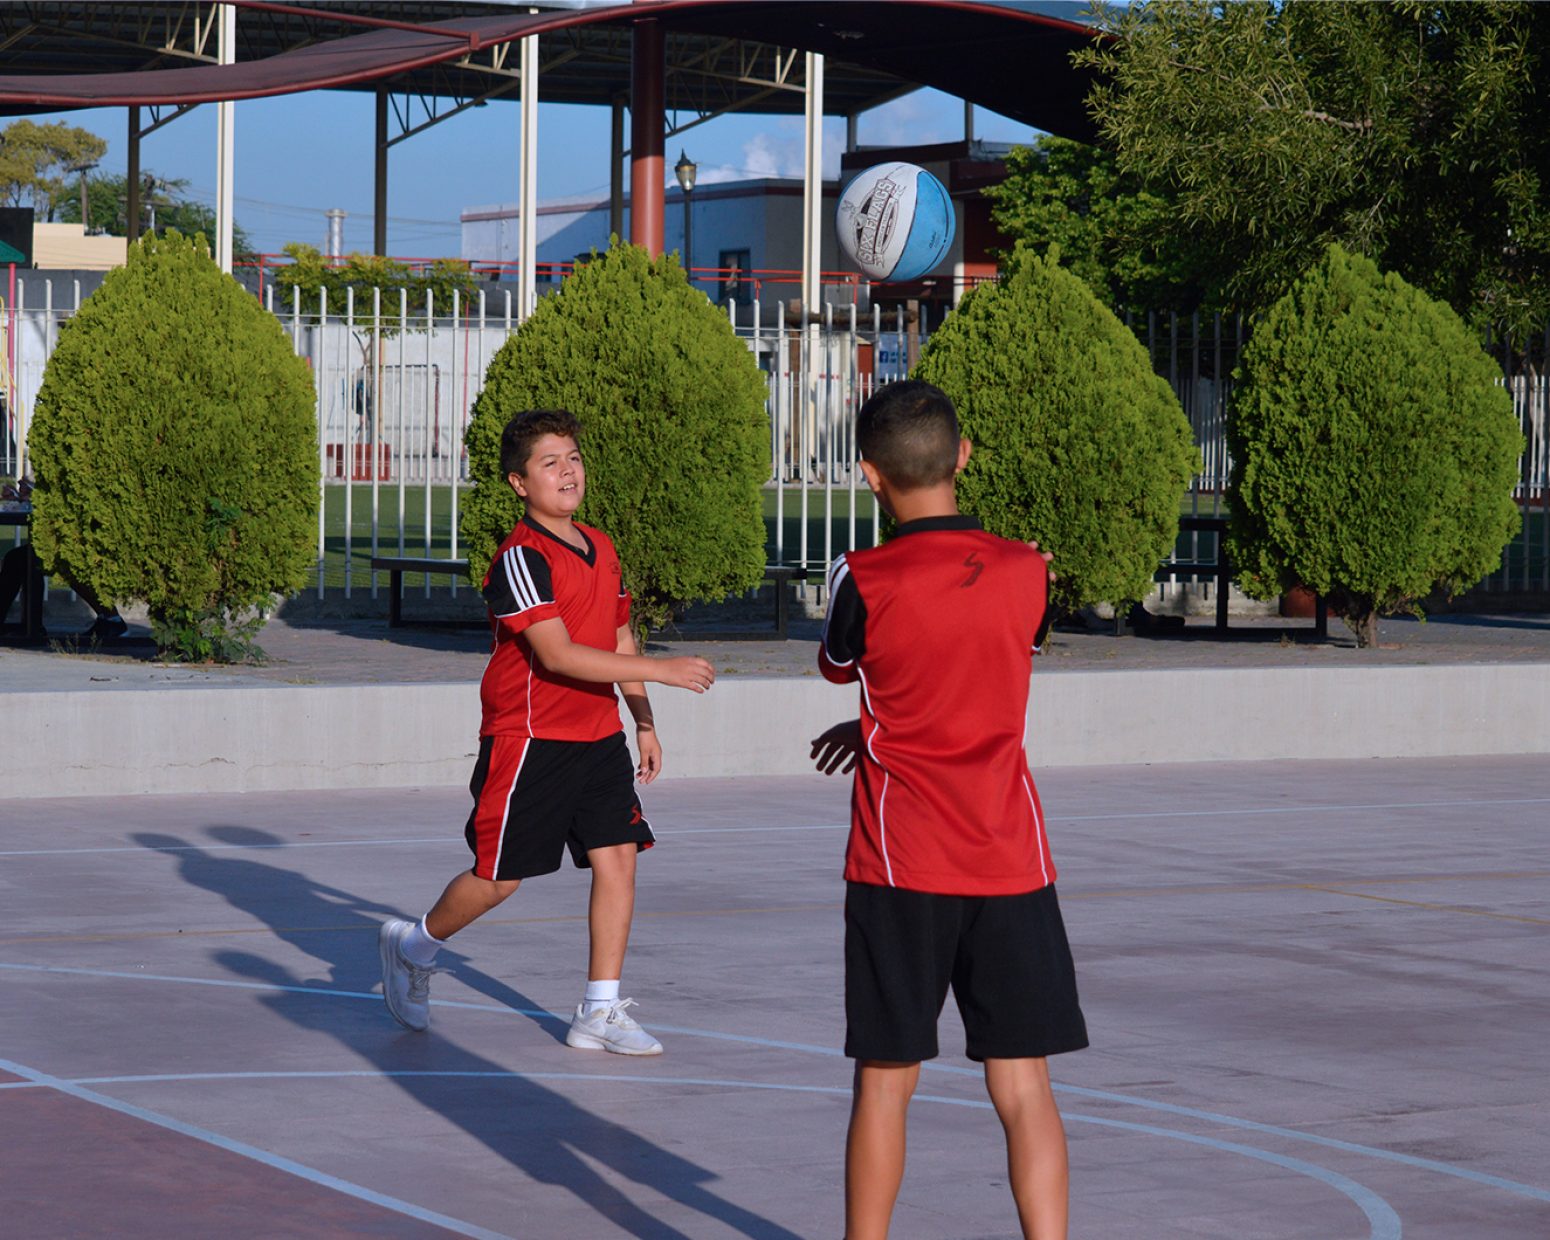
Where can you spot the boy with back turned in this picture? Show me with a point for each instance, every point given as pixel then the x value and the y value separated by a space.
pixel 949 880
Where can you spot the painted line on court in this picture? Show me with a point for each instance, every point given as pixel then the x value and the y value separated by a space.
pixel 1437 908
pixel 154 849
pixel 1196 889
pixel 1293 809
pixel 275 1161
pixel 357 928
pixel 1383 1221
pixel 1139 815
pixel 1167 1108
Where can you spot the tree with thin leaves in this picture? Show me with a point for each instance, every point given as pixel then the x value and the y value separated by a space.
pixel 675 437
pixel 1374 447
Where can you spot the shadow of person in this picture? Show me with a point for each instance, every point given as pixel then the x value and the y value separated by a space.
pixel 539 1131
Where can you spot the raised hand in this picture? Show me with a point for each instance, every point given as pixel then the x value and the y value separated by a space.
pixel 686 672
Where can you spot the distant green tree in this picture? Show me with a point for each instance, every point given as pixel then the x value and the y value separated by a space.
pixel 174 443
pixel 1109 229
pixel 37 162
pixel 1374 447
pixel 676 440
pixel 164 207
pixel 312 272
pixel 1076 441
pixel 1411 132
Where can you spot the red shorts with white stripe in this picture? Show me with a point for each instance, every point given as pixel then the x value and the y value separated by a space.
pixel 533 799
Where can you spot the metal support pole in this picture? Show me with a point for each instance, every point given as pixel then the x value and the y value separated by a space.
pixel 648 109
pixel 812 235
pixel 850 132
pixel 379 240
pixel 132 178
pixel 812 185
pixel 225 142
pixel 616 171
pixel 527 183
pixel 968 121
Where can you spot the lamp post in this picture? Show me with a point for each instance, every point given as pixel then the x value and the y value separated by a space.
pixel 686 169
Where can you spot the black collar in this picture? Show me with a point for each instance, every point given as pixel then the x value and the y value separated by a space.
pixel 926 524
pixel 589 555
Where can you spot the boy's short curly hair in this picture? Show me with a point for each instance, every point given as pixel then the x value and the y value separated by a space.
pixel 527 428
pixel 909 431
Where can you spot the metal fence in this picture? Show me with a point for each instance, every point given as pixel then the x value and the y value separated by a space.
pixel 396 380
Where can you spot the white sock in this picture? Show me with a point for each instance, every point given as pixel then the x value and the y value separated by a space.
pixel 599 995
pixel 418 945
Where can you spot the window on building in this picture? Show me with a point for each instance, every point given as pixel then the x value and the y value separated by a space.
pixel 735 285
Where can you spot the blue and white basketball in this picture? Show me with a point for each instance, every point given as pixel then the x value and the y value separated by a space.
pixel 895 221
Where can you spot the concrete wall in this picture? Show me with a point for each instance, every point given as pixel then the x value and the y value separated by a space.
pixel 247 736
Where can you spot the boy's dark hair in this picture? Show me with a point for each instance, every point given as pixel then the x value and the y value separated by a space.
pixel 909 430
pixel 527 428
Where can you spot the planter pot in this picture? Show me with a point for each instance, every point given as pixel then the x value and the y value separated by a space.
pixel 1299 603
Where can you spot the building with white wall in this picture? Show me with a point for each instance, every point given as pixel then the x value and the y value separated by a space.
pixel 755 227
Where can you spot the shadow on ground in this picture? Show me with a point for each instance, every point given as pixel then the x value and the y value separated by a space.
pixel 538 1131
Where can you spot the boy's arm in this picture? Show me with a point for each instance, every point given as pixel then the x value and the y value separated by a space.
pixel 844 627
pixel 646 743
pixel 559 655
pixel 520 596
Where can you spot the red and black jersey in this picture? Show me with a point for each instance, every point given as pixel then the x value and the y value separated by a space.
pixel 939 625
pixel 537 576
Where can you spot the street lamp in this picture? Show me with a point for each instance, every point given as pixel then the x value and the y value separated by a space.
pixel 686 169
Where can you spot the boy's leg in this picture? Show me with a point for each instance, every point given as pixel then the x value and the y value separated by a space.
pixel 407 948
pixel 1035 1144
pixel 601 1021
pixel 611 910
pixel 875 1144
pixel 466 898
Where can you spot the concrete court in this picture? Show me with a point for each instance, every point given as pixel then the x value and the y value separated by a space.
pixel 1317 993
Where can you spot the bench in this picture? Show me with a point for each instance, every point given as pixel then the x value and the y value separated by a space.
pixel 1221 570
pixel 397 565
pixel 781 574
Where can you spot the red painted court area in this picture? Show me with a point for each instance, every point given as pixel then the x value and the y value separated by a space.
pixel 1316 991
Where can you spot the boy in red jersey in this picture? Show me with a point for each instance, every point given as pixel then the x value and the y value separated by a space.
pixel 553 770
pixel 948 873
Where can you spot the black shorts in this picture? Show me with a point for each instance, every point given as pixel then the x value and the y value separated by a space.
pixel 533 798
pixel 1006 958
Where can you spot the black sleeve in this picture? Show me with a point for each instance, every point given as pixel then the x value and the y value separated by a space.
pixel 518 582
pixel 844 627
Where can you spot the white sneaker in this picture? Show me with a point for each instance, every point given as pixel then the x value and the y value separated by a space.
pixel 610 1028
pixel 406 986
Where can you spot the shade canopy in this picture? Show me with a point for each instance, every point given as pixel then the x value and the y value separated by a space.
pixel 723 55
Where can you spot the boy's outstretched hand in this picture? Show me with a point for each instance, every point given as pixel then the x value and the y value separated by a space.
pixel 840 742
pixel 686 672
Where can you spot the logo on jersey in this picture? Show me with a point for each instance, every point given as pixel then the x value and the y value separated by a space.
pixel 973 562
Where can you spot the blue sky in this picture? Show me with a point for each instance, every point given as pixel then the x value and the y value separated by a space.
pixel 299 155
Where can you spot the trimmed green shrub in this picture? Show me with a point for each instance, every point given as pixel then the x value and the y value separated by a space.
pixel 175 448
pixel 1374 448
pixel 1077 443
pixel 675 440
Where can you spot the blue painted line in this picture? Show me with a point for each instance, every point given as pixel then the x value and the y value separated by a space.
pixel 1290 1134
pixel 1381 1218
pixel 1383 1221
pixel 1245 812
pixel 248 1151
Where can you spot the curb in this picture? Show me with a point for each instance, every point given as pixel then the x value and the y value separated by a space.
pixel 265 737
